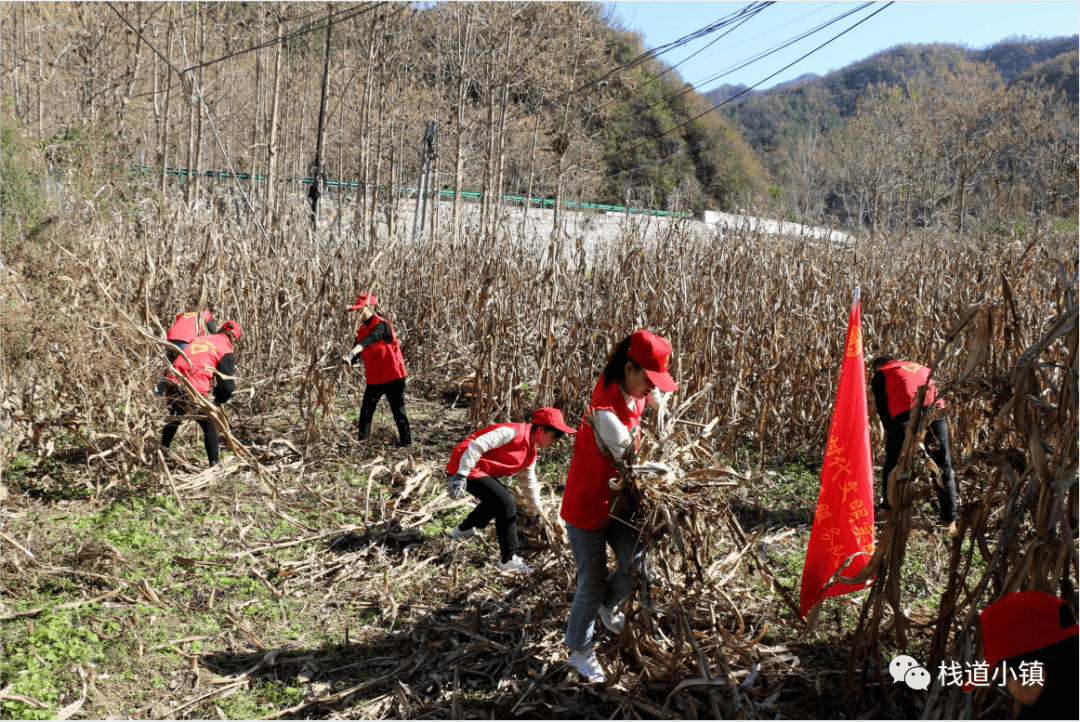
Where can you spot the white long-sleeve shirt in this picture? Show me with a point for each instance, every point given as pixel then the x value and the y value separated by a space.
pixel 500 436
pixel 613 432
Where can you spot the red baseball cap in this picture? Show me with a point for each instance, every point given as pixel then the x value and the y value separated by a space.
pixel 1022 622
pixel 233 327
pixel 652 353
pixel 548 416
pixel 364 299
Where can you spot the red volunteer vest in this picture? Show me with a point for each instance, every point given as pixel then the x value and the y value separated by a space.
pixel 186 327
pixel 505 460
pixel 902 382
pixel 205 352
pixel 383 361
pixel 588 496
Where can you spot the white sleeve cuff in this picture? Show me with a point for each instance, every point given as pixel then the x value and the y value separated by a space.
pixel 531 485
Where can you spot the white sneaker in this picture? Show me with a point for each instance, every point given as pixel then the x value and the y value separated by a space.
pixel 615 621
pixel 516 565
pixel 587 665
pixel 458 533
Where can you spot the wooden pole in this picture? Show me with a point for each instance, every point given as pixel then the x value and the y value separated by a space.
pixel 316 182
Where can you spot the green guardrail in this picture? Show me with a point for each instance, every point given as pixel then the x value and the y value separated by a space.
pixel 444 192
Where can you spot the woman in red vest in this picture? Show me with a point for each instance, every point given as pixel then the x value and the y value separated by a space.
pixel 502 450
pixel 201 358
pixel 187 327
pixel 896 384
pixel 635 373
pixel 384 368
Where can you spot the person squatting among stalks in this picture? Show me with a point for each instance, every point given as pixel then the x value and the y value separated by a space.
pixel 185 329
pixel 636 372
pixel 896 384
pixel 1030 637
pixel 207 354
pixel 502 450
pixel 384 368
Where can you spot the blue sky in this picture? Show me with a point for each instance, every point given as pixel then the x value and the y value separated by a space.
pixel 974 24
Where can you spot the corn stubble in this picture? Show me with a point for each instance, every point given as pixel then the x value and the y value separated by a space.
pixel 505 326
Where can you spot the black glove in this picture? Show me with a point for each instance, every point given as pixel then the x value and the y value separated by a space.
pixel 456 487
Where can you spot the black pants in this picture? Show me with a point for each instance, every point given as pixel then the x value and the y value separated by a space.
pixel 210 434
pixel 395 396
pixel 937 441
pixel 496 502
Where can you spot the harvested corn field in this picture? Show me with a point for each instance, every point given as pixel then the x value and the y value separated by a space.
pixel 309 575
pixel 388 199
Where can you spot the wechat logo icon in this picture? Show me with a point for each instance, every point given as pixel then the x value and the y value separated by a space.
pixel 905 669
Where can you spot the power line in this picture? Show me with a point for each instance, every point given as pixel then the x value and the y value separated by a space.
pixel 786 44
pixel 688 122
pixel 653 52
pixel 742 20
pixel 742 64
pixel 157 52
pixel 311 27
pixel 815 11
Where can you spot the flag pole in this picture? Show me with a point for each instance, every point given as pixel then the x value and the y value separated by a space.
pixel 855 301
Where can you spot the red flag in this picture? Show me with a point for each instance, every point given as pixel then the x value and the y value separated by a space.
pixel 844 521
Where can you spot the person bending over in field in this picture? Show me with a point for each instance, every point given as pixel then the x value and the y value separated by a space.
pixel 206 354
pixel 896 384
pixel 384 368
pixel 636 371
pixel 502 450
pixel 186 328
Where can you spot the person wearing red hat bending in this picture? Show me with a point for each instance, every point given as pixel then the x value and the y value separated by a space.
pixel 635 373
pixel 384 368
pixel 502 450
pixel 186 328
pixel 896 384
pixel 1030 637
pixel 203 357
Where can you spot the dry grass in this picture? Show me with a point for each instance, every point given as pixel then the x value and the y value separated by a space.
pixel 756 325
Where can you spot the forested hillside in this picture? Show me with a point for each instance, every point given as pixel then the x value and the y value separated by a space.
pixel 1059 72
pixel 527 99
pixel 947 114
pixel 767 117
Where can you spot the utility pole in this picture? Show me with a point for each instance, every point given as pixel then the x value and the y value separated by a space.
pixel 317 181
pixel 427 154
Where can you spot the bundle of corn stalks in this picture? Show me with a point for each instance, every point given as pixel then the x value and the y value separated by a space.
pixel 689 648
pixel 753 322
